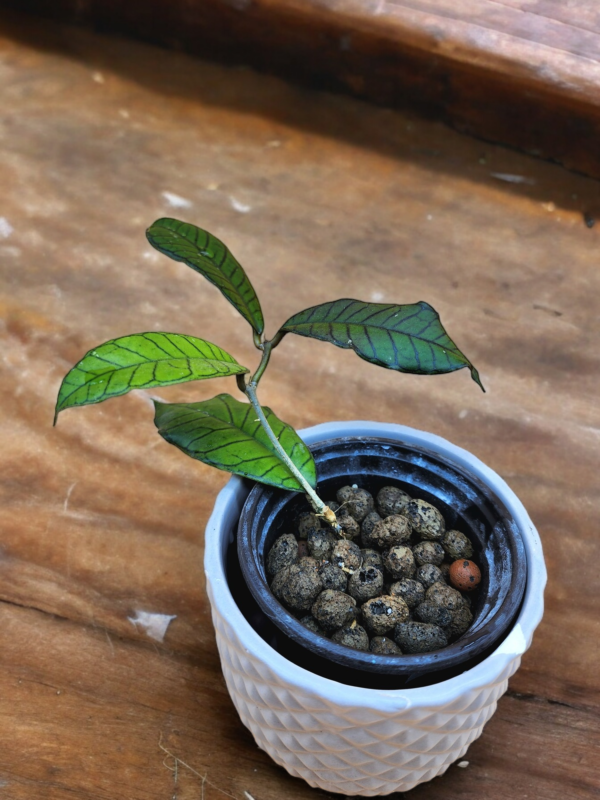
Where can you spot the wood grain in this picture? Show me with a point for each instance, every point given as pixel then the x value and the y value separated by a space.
pixel 521 72
pixel 319 197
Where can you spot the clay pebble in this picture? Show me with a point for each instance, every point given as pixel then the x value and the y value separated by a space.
pixel 355 637
pixel 359 502
pixel 365 583
pixel 347 556
pixel 390 531
pixel 400 562
pixel 428 553
pixel 350 527
pixel 303 548
pixel 311 623
pixel 426 519
pixel 419 637
pixel 440 594
pixel 321 542
pixel 457 545
pixel 283 553
pixel 428 574
pixel 462 619
pixel 381 614
pixel 371 558
pixel 333 577
pixel 384 646
pixel 411 591
pixel 298 586
pixel 435 615
pixel 307 521
pixel 368 523
pixel 333 610
pixel 391 500
pixel 464 575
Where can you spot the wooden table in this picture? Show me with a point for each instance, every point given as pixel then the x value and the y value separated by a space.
pixel 319 197
pixel 525 73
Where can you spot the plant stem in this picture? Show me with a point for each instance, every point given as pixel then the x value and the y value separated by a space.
pixel 266 355
pixel 249 389
pixel 315 500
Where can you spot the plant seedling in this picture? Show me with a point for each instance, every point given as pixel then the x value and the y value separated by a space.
pixel 246 438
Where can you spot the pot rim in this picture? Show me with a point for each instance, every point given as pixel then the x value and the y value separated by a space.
pixel 494 614
pixel 500 660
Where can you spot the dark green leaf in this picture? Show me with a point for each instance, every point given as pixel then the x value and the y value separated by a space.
pixel 226 434
pixel 141 361
pixel 408 338
pixel 207 255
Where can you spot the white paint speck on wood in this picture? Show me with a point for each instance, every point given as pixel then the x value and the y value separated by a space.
pixel 176 201
pixel 237 206
pixel 155 625
pixel 6 229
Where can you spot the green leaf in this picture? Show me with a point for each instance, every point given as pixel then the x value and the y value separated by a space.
pixel 226 434
pixel 408 338
pixel 141 361
pixel 207 255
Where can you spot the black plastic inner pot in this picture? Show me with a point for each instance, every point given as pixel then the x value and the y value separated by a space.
pixel 467 505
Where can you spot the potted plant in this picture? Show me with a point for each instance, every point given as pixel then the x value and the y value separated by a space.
pixel 394 720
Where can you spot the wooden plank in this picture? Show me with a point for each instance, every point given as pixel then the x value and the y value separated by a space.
pixel 320 197
pixel 523 73
pixel 88 713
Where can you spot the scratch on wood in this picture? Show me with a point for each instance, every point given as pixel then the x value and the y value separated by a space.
pixel 509 178
pixel 109 640
pixel 553 311
pixel 203 778
pixel 68 497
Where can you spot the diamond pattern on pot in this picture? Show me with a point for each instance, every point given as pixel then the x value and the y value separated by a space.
pixel 362 741
pixel 351 750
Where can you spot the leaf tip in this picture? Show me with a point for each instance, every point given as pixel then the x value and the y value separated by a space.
pixel 158 223
pixel 158 407
pixel 150 232
pixel 60 406
pixel 476 378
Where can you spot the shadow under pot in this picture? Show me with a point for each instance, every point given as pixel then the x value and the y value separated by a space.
pixel 466 503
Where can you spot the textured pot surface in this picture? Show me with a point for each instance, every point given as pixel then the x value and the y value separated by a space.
pixel 349 739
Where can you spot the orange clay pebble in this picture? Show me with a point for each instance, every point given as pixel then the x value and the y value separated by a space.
pixel 464 575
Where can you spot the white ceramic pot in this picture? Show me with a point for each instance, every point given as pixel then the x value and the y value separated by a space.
pixel 349 739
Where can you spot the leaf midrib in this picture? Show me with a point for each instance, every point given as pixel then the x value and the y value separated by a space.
pixel 377 327
pixel 110 372
pixel 231 426
pixel 217 267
